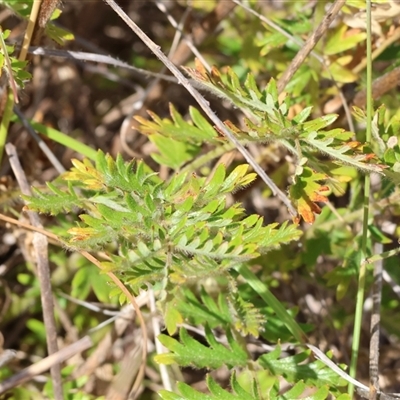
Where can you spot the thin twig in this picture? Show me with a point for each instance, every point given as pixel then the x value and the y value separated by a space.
pixel 98 58
pixel 29 29
pixel 309 45
pixel 382 256
pixel 362 390
pixel 48 362
pixel 41 246
pixel 126 125
pixel 165 378
pixel 29 227
pixel 203 103
pixel 43 146
pixel 179 30
pixel 202 30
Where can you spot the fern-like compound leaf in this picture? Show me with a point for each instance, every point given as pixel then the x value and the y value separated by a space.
pixel 189 352
pixel 54 203
pixel 179 230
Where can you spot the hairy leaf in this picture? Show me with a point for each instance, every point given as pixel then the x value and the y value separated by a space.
pixel 190 352
pixel 179 230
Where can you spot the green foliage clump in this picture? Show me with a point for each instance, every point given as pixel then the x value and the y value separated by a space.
pixel 180 237
pixel 171 235
pixel 167 233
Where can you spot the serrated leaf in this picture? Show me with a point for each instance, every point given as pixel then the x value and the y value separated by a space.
pixel 190 352
pixel 306 192
pixel 247 318
pixel 277 237
pixel 348 152
pixel 217 393
pixel 177 128
pixel 176 231
pixel 53 204
pixel 206 310
pixel 228 86
pixel 85 173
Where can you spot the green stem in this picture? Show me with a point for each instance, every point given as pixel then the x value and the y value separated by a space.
pixel 5 121
pixel 382 256
pixel 367 186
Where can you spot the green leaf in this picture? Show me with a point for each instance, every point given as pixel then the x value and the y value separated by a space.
pixel 55 203
pixel 38 328
pixel 190 352
pixel 378 236
pixel 275 238
pixel 173 153
pixel 302 115
pixel 87 278
pixel 58 34
pixel 207 131
pixel 294 368
pixel 340 42
pixel 177 231
pixel 65 140
pixel 271 41
pixel 306 192
pixel 172 318
pixel 247 318
pixel 340 73
pixel 178 128
pixel 319 123
pixel 217 393
pixel 229 87
pixel 347 153
pixel 206 311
